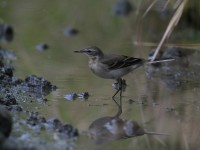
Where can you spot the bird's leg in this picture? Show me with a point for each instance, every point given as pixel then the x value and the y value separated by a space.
pixel 120 102
pixel 118 90
pixel 120 94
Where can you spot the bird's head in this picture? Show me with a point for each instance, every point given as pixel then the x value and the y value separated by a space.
pixel 91 51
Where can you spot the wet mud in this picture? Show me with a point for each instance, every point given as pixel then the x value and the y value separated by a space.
pixel 20 125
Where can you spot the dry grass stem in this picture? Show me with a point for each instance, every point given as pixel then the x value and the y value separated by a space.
pixel 173 22
pixel 149 8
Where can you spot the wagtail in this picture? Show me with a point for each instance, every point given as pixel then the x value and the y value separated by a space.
pixel 111 66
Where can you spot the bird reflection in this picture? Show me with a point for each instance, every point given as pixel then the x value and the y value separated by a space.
pixel 107 129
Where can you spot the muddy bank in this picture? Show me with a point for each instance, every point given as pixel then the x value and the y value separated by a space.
pixel 21 128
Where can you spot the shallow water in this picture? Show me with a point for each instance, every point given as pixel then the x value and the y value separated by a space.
pixel 163 100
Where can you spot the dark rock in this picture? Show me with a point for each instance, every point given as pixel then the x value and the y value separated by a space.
pixel 42 119
pixel 15 108
pixel 6 32
pixel 2 140
pixel 1 63
pixel 8 72
pixel 53 124
pixel 69 31
pixel 9 144
pixel 38 85
pixel 6 68
pixel 164 54
pixel 122 8
pixel 70 96
pixel 42 47
pixel 172 52
pixel 151 53
pixel 130 101
pixel 8 100
pixel 33 119
pixel 42 100
pixel 16 81
pixel 83 95
pixel 6 54
pixel 5 122
pixel 67 131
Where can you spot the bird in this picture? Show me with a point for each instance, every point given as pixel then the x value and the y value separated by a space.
pixel 111 66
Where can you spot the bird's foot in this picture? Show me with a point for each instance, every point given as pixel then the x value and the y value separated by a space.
pixel 117 87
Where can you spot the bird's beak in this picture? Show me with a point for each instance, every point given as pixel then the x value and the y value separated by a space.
pixel 80 51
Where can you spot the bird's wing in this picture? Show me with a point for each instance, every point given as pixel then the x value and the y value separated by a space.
pixel 120 61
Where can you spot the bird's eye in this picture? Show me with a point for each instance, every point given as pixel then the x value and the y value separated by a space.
pixel 89 51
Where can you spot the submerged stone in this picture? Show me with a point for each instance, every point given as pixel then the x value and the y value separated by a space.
pixel 70 96
pixel 69 31
pixel 116 85
pixel 83 95
pixel 42 47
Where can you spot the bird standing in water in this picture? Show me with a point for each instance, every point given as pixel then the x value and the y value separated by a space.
pixel 111 66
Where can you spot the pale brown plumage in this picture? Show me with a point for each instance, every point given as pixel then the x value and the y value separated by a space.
pixel 110 66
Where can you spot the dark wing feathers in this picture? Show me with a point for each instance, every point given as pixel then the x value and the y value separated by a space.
pixel 122 62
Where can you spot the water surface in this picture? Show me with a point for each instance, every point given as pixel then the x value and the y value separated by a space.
pixel 167 101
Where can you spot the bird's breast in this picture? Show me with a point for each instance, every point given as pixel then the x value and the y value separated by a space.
pixel 99 69
pixel 102 70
